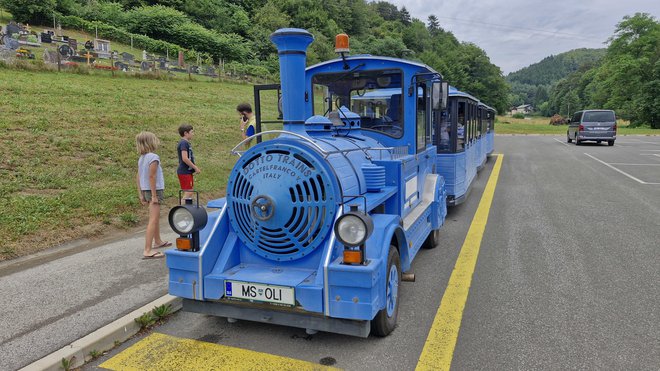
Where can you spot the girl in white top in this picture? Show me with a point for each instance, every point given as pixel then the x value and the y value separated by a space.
pixel 150 185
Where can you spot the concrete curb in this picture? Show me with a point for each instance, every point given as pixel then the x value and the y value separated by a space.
pixel 102 339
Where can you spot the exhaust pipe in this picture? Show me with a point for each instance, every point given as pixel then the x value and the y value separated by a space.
pixel 408 277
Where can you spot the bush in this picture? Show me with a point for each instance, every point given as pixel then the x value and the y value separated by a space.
pixel 518 116
pixel 155 21
pixel 110 13
pixel 123 36
pixel 558 120
pixel 30 11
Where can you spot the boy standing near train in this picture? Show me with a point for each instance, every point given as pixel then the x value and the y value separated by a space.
pixel 248 122
pixel 187 167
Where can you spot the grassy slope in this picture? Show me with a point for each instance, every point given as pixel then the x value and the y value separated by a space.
pixel 69 159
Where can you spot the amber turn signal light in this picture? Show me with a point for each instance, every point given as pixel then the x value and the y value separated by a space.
pixel 184 244
pixel 352 257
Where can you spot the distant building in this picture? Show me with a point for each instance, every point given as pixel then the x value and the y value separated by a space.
pixel 523 108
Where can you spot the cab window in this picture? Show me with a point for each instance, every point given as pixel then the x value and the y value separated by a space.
pixel 374 95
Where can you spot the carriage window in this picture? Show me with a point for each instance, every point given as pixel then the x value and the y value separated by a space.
pixel 374 95
pixel 480 122
pixel 460 131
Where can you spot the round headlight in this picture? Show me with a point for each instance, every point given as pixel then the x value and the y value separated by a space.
pixel 182 221
pixel 353 228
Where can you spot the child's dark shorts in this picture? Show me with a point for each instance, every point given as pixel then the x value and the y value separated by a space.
pixel 159 193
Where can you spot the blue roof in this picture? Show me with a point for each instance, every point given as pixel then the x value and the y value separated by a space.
pixel 453 92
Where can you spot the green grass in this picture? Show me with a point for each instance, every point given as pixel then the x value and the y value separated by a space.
pixel 69 159
pixel 540 125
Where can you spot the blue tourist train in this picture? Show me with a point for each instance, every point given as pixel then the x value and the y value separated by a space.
pixel 321 222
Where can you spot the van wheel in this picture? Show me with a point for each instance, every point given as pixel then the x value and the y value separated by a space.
pixel 577 142
pixel 385 321
pixel 598 142
pixel 610 143
pixel 432 240
pixel 568 139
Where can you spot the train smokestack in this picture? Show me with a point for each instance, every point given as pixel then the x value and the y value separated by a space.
pixel 292 46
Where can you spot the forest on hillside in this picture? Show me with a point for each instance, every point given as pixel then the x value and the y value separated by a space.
pixel 533 84
pixel 238 30
pixel 625 77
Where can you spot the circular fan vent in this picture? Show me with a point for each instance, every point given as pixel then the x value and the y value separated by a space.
pixel 281 202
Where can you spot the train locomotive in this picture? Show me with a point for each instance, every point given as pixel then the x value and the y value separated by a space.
pixel 321 224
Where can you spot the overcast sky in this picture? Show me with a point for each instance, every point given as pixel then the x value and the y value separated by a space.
pixel 517 33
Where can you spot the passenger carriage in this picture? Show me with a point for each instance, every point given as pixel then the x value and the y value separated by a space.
pixel 462 134
pixel 322 222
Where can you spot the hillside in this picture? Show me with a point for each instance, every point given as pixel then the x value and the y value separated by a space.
pixel 533 84
pixel 237 31
pixel 70 163
pixel 555 67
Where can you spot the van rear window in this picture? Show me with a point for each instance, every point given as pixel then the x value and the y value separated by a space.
pixel 599 116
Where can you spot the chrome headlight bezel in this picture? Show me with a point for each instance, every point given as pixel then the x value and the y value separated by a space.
pixel 356 222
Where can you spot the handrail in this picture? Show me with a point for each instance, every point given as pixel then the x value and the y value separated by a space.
pixel 299 136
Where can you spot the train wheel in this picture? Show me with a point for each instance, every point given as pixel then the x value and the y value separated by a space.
pixel 385 320
pixel 432 240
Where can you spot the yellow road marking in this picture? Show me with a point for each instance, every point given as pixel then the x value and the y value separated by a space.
pixel 439 347
pixel 163 352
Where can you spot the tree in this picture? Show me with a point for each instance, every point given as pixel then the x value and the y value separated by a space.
pixel 405 16
pixel 433 25
pixel 30 11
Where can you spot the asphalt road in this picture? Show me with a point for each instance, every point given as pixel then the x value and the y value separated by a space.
pixel 567 275
pixel 53 298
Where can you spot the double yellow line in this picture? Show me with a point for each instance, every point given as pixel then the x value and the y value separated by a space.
pixel 439 347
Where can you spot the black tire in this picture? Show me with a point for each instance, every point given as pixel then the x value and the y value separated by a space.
pixel 568 139
pixel 577 142
pixel 610 143
pixel 432 240
pixel 383 324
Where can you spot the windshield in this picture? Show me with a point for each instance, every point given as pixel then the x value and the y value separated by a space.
pixel 374 95
pixel 598 116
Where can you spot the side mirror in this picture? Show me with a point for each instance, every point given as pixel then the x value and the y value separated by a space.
pixel 440 93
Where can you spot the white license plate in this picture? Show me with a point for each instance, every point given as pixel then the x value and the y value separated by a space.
pixel 601 128
pixel 260 292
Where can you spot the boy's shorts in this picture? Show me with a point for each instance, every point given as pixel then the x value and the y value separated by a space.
pixel 186 182
pixel 159 193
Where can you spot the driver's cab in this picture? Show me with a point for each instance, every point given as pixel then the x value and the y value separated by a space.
pixel 396 101
pixel 394 98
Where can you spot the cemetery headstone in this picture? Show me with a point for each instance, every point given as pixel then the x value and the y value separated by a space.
pixel 73 44
pixel 127 57
pixel 65 51
pixel 144 66
pixel 50 56
pixel 89 45
pixel 194 69
pixel 45 38
pixel 13 28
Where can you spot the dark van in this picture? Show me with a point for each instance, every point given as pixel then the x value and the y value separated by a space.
pixel 594 125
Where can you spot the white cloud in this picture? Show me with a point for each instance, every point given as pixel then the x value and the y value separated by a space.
pixel 517 33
